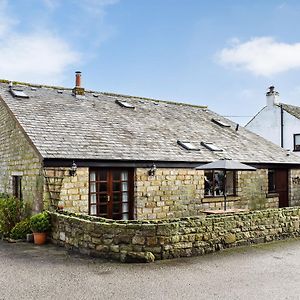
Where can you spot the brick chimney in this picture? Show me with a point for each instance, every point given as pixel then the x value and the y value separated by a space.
pixel 78 90
pixel 272 96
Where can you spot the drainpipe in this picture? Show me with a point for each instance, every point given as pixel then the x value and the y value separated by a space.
pixel 281 126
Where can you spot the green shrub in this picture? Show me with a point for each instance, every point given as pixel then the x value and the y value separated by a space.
pixel 10 214
pixel 40 222
pixel 21 229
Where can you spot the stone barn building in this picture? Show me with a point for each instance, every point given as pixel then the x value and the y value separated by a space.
pixel 124 157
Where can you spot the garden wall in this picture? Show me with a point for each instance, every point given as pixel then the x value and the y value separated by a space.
pixel 163 239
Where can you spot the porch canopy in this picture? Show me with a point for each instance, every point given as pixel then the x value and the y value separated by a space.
pixel 226 164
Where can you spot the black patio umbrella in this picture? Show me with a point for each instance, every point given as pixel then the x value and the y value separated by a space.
pixel 225 165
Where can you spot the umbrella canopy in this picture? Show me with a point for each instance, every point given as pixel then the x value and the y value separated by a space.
pixel 226 164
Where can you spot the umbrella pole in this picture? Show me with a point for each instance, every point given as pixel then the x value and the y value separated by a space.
pixel 224 190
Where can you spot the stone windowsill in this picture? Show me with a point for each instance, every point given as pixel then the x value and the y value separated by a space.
pixel 272 195
pixel 220 199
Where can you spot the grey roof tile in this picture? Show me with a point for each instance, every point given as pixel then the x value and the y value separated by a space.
pixel 62 126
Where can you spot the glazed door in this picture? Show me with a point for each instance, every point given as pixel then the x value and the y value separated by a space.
pixel 281 178
pixel 111 193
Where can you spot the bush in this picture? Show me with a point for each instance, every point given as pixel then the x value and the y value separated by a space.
pixel 21 229
pixel 10 214
pixel 40 222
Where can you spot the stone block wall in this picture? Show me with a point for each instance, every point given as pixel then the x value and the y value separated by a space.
pixel 154 239
pixel 69 192
pixel 180 193
pixel 294 187
pixel 19 157
pixel 253 190
pixel 170 193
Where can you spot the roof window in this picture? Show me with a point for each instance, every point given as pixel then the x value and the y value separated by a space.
pixel 188 145
pixel 59 91
pixel 221 123
pixel 211 146
pixel 95 95
pixel 33 88
pixel 18 93
pixel 125 104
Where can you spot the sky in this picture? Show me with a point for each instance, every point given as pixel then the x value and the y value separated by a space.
pixel 220 53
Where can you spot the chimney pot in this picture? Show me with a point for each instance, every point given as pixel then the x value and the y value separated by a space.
pixel 272 96
pixel 78 78
pixel 78 91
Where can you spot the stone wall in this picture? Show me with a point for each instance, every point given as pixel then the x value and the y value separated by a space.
pixel 294 187
pixel 170 193
pixel 18 157
pixel 253 190
pixel 149 240
pixel 69 192
pixel 180 193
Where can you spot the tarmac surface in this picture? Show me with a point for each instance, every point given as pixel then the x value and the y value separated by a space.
pixel 269 271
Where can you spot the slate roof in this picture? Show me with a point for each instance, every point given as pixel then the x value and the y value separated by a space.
pixel 291 109
pixel 64 127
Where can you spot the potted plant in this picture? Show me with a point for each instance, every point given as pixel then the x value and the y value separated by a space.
pixel 40 224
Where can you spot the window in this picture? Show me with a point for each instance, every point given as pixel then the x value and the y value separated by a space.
pixel 188 145
pixel 221 123
pixel 214 183
pixel 17 187
pixel 111 193
pixel 271 181
pixel 211 146
pixel 125 104
pixel 19 94
pixel 297 142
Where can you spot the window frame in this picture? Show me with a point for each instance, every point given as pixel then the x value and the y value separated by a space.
pixel 17 187
pixel 294 138
pixel 272 172
pixel 214 195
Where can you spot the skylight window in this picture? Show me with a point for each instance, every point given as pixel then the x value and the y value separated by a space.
pixel 33 88
pixel 125 104
pixel 211 146
pixel 59 91
pixel 95 95
pixel 188 145
pixel 18 93
pixel 221 123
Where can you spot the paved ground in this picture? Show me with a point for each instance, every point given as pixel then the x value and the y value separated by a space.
pixel 269 271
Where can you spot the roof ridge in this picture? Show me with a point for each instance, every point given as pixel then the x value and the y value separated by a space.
pixel 34 84
pixel 152 99
pixel 104 93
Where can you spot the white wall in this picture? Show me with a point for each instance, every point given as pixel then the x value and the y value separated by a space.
pixel 267 124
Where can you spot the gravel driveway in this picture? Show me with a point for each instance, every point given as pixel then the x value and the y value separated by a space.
pixel 270 271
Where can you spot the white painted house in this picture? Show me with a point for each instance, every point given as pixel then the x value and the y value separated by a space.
pixel 278 122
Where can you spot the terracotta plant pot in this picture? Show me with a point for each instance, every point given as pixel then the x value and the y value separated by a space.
pixel 39 238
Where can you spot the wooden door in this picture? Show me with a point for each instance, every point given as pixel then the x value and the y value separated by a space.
pixel 111 193
pixel 281 184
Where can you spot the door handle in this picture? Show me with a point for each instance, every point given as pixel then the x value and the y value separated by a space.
pixel 108 198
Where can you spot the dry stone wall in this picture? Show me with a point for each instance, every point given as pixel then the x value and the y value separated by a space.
pixel 146 241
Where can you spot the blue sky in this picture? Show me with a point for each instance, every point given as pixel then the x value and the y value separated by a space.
pixel 223 54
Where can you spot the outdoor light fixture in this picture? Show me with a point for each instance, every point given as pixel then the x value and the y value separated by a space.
pixel 73 169
pixel 152 170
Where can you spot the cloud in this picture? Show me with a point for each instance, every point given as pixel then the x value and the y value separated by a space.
pixel 38 57
pixel 262 56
